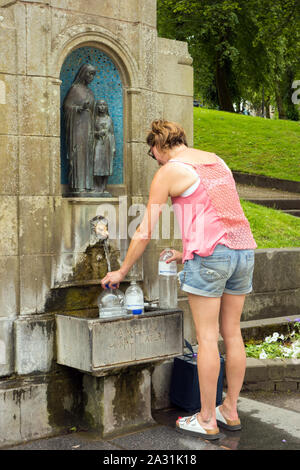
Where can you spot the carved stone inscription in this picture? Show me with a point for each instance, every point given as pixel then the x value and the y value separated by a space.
pixel 136 340
pixel 125 337
pixel 96 346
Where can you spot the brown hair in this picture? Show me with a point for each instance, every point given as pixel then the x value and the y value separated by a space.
pixel 166 134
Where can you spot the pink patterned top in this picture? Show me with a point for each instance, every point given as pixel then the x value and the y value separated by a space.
pixel 212 214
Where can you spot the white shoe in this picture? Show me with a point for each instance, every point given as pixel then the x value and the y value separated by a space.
pixel 230 425
pixel 190 425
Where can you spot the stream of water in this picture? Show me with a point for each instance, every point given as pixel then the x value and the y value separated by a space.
pixel 106 251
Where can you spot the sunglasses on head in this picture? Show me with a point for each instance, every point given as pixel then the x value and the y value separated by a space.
pixel 150 153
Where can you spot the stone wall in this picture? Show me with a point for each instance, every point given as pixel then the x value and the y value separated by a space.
pixel 272 375
pixel 44 236
pixel 276 284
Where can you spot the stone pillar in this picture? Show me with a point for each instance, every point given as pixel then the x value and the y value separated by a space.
pixel 118 404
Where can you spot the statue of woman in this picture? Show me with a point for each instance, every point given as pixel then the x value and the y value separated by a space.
pixel 105 147
pixel 78 109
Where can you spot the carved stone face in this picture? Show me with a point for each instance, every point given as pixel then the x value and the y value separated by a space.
pixel 102 107
pixel 99 226
pixel 89 75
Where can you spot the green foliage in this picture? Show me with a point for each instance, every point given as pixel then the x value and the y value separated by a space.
pixel 276 346
pixel 240 48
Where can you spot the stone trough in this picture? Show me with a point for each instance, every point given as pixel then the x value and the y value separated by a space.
pixel 116 356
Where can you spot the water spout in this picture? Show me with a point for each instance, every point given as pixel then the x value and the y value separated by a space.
pixel 99 227
pixel 111 301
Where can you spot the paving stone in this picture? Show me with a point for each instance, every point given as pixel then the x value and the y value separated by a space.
pixel 162 438
pixel 74 441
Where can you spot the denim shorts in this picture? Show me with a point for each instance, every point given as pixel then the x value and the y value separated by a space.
pixel 224 271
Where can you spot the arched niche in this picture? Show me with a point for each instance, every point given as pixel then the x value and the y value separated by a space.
pixel 107 85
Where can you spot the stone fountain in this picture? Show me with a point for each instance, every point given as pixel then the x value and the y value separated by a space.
pixel 116 355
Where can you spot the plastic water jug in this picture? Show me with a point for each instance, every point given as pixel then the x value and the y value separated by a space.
pixel 167 277
pixel 134 299
pixel 111 303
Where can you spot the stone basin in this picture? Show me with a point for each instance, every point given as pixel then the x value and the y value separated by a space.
pixel 103 346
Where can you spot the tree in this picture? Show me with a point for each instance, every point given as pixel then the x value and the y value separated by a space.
pixel 209 29
pixel 241 48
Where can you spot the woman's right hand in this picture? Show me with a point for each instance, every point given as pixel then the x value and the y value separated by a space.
pixel 112 279
pixel 177 256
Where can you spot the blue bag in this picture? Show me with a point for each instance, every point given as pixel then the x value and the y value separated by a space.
pixel 184 390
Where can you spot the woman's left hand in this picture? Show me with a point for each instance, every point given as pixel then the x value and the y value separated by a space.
pixel 112 280
pixel 176 256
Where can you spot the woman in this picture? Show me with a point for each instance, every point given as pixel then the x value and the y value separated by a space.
pixel 218 265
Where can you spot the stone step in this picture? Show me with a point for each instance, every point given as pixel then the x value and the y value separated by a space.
pixel 276 203
pixel 268 374
pixel 259 329
pixel 294 212
pixel 280 375
pixel 266 182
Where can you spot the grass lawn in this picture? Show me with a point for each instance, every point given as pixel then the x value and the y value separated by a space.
pixel 250 144
pixel 272 228
pixel 261 146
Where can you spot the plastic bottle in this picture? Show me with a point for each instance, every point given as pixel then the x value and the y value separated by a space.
pixel 134 299
pixel 167 276
pixel 111 303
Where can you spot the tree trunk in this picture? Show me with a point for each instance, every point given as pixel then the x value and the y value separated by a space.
pixel 267 103
pixel 263 102
pixel 225 100
pixel 279 102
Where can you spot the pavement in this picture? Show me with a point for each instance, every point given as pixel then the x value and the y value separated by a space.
pixel 270 421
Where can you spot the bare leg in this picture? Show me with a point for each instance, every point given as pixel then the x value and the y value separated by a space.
pixel 230 315
pixel 205 312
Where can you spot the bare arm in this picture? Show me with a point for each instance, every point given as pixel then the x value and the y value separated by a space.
pixel 159 192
